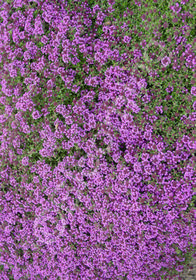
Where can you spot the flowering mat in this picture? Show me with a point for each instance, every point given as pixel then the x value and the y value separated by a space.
pixel 98 139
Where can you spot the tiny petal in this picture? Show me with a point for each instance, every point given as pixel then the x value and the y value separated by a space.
pixel 36 115
pixel 193 91
pixel 25 161
pixel 165 61
pixel 127 39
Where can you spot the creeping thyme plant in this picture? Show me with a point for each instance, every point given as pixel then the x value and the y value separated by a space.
pixel 98 139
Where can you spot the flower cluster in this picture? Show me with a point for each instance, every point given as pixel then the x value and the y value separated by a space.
pixel 89 189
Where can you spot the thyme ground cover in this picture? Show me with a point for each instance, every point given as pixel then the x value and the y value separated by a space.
pixel 97 118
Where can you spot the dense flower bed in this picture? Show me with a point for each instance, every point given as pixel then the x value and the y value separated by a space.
pixel 97 180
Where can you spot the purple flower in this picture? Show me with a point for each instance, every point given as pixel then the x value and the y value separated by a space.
pixel 65 58
pixel 148 169
pixel 142 84
pixel 36 179
pixel 160 146
pixel 19 151
pixel 176 8
pixel 143 43
pixel 100 16
pixel 127 39
pixel 81 162
pixel 13 181
pixel 147 135
pixel 44 39
pixel 133 106
pixel 25 161
pixel 137 178
pixel 193 91
pixel 36 115
pixel 169 89
pixel 159 109
pixel 116 157
pixel 50 84
pixel 137 167
pixel 137 53
pixel 45 112
pixel 2 119
pixel 165 61
pixel 185 139
pixel 120 101
pixel 75 88
pixel 38 26
pixel 17 4
pixel 128 158
pixel 145 156
pixel 180 268
pixel 194 105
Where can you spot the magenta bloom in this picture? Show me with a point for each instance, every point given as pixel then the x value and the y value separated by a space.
pixel 142 84
pixel 127 39
pixel 25 161
pixel 176 8
pixel 194 105
pixel 169 89
pixel 193 91
pixel 36 115
pixel 165 61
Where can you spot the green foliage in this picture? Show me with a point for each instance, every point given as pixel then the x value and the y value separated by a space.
pixel 1 267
